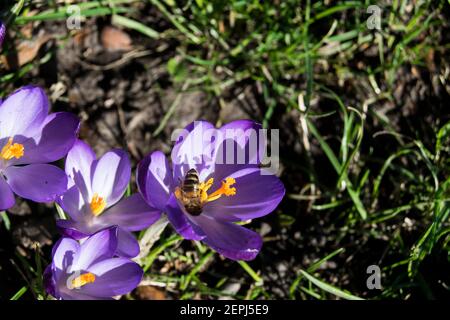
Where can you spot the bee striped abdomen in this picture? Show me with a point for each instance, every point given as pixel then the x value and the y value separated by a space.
pixel 191 181
pixel 191 193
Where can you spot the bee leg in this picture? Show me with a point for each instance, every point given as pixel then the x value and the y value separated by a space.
pixel 177 193
pixel 204 187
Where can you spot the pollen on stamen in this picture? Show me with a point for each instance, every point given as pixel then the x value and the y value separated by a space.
pixel 11 150
pixel 97 204
pixel 225 189
pixel 83 279
pixel 226 186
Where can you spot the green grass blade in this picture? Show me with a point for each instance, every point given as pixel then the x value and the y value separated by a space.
pixel 250 271
pixel 19 293
pixel 5 220
pixel 135 25
pixel 329 288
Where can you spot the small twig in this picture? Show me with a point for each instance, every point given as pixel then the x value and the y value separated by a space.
pixel 124 59
pixel 305 140
pixel 24 278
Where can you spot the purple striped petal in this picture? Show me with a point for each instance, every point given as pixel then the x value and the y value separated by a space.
pixel 111 175
pixel 54 141
pixel 230 240
pixel 114 277
pixel 249 137
pixel 231 158
pixel 78 165
pixel 23 112
pixel 6 195
pixel 257 193
pixel 127 246
pixel 195 148
pixel 63 253
pixel 75 229
pixel 154 178
pixel 102 245
pixel 131 213
pixel 49 280
pixel 73 204
pixel 37 182
pixel 77 295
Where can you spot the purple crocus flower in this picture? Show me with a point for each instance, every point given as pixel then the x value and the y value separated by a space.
pixel 90 270
pixel 93 200
pixel 30 138
pixel 2 33
pixel 204 194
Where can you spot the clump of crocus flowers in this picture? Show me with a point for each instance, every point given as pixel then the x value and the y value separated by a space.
pixel 213 183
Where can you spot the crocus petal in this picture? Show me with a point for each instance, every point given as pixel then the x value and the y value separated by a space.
pixel 127 245
pixel 37 182
pixel 54 141
pixel 114 277
pixel 242 124
pixel 23 112
pixel 230 158
pixel 73 203
pixel 6 195
pixel 79 160
pixel 111 175
pixel 63 253
pixel 101 245
pixel 49 280
pixel 257 193
pixel 77 295
pixel 78 167
pixel 131 213
pixel 243 146
pixel 154 178
pixel 231 240
pixel 2 33
pixel 180 222
pixel 74 229
pixel 249 136
pixel 195 148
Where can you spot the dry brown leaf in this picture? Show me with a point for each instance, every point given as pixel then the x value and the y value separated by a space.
pixel 115 39
pixel 25 52
pixel 150 293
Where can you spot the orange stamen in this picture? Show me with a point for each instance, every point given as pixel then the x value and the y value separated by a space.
pixel 98 204
pixel 225 189
pixel 83 279
pixel 11 150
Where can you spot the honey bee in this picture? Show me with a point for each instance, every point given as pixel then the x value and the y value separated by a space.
pixel 189 193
